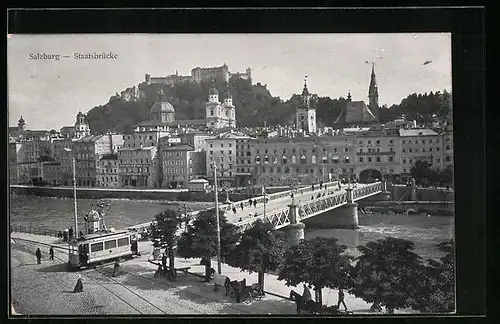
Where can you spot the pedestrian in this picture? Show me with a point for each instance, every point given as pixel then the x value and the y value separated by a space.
pixel 65 236
pixel 234 210
pixel 164 261
pixel 312 186
pixel 255 215
pixel 116 268
pixel 306 295
pixel 158 271
pixel 240 219
pixel 80 234
pixel 250 202
pixel 59 234
pixel 51 253
pixel 325 186
pixel 70 232
pixel 312 197
pixel 38 254
pixel 79 285
pixel 341 299
pixel 340 187
pixel 241 205
pixel 255 204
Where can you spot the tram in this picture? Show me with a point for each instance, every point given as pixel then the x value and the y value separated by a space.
pixel 101 248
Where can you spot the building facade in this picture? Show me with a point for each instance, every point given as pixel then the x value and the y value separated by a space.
pixel 137 167
pixel 180 164
pixel 220 115
pixel 107 171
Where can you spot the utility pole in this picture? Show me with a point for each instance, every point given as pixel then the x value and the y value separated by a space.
pixel 74 197
pixel 217 219
pixel 265 198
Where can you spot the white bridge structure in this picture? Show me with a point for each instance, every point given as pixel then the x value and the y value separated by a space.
pixel 308 202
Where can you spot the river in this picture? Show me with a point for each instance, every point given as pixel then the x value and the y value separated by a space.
pixel 57 213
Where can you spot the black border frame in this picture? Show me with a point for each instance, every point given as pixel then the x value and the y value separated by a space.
pixel 468 62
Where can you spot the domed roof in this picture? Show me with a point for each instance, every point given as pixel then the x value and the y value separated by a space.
pixel 162 106
pixel 213 92
pixel 227 93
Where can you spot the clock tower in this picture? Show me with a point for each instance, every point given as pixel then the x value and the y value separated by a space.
pixel 305 113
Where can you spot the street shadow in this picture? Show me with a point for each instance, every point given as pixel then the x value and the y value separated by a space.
pixel 60 267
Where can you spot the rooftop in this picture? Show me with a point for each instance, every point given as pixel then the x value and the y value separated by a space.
pixel 110 157
pixel 89 139
pixel 181 147
pixel 417 132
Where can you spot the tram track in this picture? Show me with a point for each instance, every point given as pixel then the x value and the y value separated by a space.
pixel 98 269
pixel 95 280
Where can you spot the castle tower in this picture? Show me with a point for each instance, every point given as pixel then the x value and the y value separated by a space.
pixel 373 94
pixel 305 112
pixel 249 74
pixel 21 125
pixel 82 128
pixel 349 99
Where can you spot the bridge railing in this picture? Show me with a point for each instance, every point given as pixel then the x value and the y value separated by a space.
pixel 34 230
pixel 365 191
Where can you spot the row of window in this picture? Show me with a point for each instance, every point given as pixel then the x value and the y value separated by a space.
pixel 377 159
pixel 271 169
pixel 221 159
pixel 420 141
pixel 111 244
pixel 416 150
pixel 142 161
pixel 106 170
pixel 303 159
pixel 108 179
pixel 133 169
pixel 177 170
pixel 243 153
pixel 303 151
pixel 377 142
pixel 373 150
pixel 242 169
pixel 176 162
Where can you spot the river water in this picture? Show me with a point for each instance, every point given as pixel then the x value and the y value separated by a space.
pixel 57 214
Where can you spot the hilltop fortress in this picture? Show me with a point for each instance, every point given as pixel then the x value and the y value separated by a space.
pixel 198 74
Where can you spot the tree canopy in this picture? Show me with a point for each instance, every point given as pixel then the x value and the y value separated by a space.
pixel 319 262
pixel 254 106
pixel 388 273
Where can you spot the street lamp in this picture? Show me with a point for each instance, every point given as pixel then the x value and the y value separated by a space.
pixel 74 192
pixel 219 268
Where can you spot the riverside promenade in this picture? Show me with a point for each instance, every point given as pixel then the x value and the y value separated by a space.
pixel 45 289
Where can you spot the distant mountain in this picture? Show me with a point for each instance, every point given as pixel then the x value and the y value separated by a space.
pixel 254 106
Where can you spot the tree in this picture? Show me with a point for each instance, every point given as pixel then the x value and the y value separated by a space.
pixel 422 172
pixel 387 273
pixel 200 239
pixel 164 231
pixel 319 262
pixel 439 282
pixel 260 249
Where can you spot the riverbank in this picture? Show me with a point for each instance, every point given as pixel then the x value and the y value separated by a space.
pixel 441 208
pixel 128 193
pixel 187 295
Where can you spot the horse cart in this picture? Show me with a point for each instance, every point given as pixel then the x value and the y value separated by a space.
pixel 249 293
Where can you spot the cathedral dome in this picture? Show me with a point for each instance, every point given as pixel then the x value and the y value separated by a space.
pixel 162 107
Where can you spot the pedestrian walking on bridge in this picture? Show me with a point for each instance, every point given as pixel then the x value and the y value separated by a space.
pixel 79 285
pixel 241 205
pixel 255 204
pixel 51 253
pixel 38 254
pixel 234 210
pixel 70 232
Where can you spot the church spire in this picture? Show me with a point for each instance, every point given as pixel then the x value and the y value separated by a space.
pixel 349 96
pixel 373 93
pixel 305 94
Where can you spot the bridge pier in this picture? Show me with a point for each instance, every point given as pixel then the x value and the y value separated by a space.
pixel 295 231
pixel 385 194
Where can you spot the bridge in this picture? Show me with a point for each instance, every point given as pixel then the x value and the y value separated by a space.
pixel 308 202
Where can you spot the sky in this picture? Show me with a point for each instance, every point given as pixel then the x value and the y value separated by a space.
pixel 49 93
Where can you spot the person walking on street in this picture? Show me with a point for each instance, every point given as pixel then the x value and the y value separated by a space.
pixel 341 299
pixel 234 210
pixel 164 261
pixel 306 295
pixel 158 271
pixel 116 268
pixel 250 202
pixel 38 254
pixel 70 233
pixel 51 253
pixel 255 204
pixel 241 205
pixel 79 285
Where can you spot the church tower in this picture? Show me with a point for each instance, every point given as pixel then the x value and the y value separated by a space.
pixel 230 112
pixel 82 128
pixel 21 125
pixel 373 94
pixel 213 108
pixel 305 112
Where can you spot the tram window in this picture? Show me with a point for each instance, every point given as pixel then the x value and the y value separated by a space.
pixel 110 244
pixel 96 247
pixel 123 241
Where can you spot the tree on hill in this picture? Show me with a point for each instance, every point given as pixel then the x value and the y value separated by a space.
pixel 388 273
pixel 260 250
pixel 319 262
pixel 164 235
pixel 439 282
pixel 200 239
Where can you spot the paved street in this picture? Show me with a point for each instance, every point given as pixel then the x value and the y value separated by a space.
pixel 46 289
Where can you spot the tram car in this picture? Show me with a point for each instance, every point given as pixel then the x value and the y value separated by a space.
pixel 100 248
